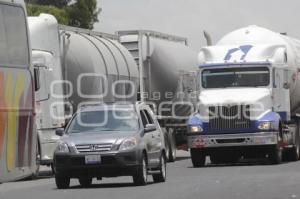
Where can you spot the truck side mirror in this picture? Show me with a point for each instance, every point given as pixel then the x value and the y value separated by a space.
pixel 37 84
pixel 287 85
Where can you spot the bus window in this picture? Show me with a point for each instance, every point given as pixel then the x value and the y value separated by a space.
pixel 13 37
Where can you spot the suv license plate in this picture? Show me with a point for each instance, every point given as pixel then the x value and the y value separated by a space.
pixel 92 159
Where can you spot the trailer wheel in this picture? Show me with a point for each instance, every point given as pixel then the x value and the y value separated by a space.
pixel 172 145
pixel 198 157
pixel 275 154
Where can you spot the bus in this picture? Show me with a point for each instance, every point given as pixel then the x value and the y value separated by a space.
pixel 18 138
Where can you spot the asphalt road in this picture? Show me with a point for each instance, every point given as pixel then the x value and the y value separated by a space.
pixel 246 180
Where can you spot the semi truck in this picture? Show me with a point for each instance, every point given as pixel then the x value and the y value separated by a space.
pixel 249 99
pixel 78 67
pixel 17 114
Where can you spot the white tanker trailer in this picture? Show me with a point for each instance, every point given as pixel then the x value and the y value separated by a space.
pixel 167 71
pixel 249 100
pixel 78 67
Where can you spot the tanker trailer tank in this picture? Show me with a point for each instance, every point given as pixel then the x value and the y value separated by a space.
pixel 98 67
pixel 162 60
pixel 167 68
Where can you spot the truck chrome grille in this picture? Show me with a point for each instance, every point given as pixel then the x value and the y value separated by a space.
pixel 229 117
pixel 84 148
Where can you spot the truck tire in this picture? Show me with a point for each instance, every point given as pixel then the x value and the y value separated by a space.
pixel 85 181
pixel 275 155
pixel 294 152
pixel 140 176
pixel 162 176
pixel 62 182
pixel 198 157
pixel 172 145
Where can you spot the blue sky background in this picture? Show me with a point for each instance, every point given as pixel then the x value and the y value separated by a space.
pixel 189 18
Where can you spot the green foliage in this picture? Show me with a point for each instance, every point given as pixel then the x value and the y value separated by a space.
pixel 81 13
pixel 60 14
pixel 56 3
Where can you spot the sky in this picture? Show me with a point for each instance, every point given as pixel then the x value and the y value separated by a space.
pixel 189 18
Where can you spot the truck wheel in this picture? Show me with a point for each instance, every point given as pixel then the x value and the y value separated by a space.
pixel 198 158
pixel 85 181
pixel 275 155
pixel 141 174
pixel 293 153
pixel 62 182
pixel 162 176
pixel 172 146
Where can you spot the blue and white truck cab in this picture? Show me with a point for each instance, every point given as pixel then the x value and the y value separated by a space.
pixel 249 99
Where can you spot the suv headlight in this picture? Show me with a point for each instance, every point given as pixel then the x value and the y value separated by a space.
pixel 128 144
pixel 62 148
pixel 266 126
pixel 195 129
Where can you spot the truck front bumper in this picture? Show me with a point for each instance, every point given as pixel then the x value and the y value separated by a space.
pixel 233 140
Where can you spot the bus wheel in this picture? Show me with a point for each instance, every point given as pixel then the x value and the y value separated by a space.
pixel 37 160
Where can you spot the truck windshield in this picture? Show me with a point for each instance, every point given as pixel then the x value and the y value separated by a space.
pixel 235 77
pixel 103 121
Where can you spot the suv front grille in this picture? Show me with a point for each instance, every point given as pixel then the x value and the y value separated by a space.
pixel 84 148
pixel 229 117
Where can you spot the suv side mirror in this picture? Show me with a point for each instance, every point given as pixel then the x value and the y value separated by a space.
pixel 60 132
pixel 150 128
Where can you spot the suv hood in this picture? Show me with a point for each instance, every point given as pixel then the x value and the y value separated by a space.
pixel 109 137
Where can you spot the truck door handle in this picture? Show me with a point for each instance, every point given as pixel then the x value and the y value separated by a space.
pixel 153 136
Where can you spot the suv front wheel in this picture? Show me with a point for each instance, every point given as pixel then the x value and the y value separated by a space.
pixel 161 177
pixel 62 182
pixel 141 174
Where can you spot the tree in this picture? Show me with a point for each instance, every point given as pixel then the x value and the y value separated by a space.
pixel 56 3
pixel 78 13
pixel 60 14
pixel 83 13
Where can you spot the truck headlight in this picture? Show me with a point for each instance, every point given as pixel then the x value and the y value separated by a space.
pixel 128 144
pixel 62 148
pixel 266 126
pixel 195 129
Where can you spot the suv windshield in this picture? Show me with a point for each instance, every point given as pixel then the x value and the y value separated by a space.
pixel 103 121
pixel 235 77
